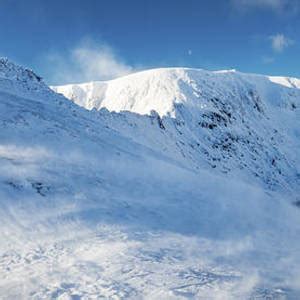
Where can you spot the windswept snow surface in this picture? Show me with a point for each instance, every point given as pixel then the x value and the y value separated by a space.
pixel 100 205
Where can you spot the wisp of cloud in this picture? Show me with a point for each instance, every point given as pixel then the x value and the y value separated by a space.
pixel 87 61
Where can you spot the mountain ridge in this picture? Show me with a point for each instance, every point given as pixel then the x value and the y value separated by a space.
pixel 84 93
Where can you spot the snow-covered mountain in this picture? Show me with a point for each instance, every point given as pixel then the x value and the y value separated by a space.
pixel 242 124
pixel 163 89
pixel 182 202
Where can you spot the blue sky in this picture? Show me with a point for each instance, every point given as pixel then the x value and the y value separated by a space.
pixel 73 40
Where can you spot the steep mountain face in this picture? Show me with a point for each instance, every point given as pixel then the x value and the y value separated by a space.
pixel 241 124
pixel 95 204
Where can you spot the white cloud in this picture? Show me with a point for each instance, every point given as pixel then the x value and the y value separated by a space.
pixel 280 42
pixel 279 6
pixel 268 59
pixel 87 61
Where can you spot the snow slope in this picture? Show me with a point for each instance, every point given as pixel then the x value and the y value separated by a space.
pixel 90 210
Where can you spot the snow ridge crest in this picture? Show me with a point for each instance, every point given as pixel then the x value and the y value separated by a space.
pixel 17 80
pixel 9 70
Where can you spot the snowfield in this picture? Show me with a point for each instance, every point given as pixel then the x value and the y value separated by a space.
pixel 180 184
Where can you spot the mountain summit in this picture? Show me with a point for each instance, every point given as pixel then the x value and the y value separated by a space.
pixel 163 89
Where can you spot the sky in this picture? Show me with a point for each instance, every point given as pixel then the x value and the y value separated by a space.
pixel 68 41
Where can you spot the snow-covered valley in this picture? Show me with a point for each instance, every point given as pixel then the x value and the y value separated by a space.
pixel 179 184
